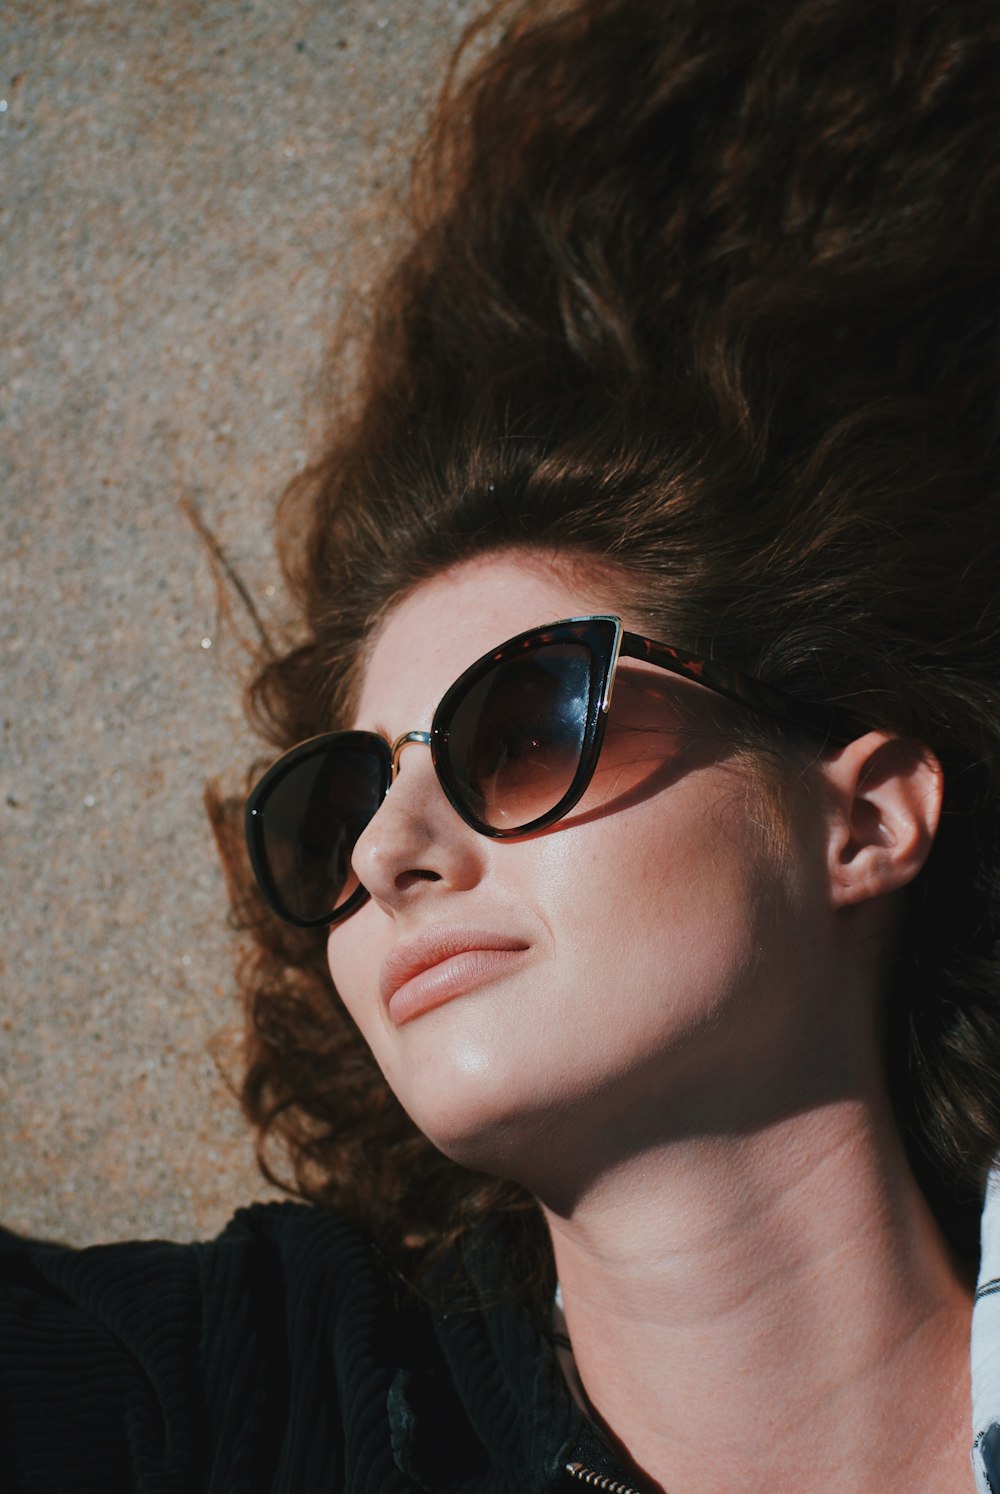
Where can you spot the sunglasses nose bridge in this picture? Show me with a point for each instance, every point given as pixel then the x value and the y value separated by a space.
pixel 421 737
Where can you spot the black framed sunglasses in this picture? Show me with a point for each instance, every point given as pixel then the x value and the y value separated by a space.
pixel 514 742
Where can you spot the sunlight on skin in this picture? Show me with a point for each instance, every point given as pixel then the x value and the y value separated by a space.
pixel 681 1059
pixel 661 862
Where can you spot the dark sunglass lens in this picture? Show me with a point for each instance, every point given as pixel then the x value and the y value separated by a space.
pixel 516 739
pixel 310 821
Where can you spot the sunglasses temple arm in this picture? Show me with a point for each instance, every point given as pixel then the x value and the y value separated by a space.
pixel 817 718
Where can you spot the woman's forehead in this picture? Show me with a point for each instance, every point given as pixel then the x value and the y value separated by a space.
pixel 448 622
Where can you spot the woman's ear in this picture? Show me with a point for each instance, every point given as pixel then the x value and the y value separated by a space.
pixel 884 810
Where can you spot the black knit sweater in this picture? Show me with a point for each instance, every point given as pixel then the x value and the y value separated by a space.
pixel 282 1356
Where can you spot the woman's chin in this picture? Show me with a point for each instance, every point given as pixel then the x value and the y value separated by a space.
pixel 484 1138
pixel 490 1127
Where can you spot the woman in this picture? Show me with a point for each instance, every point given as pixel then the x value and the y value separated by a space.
pixel 665 519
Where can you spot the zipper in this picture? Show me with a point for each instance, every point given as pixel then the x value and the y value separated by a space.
pixel 598 1480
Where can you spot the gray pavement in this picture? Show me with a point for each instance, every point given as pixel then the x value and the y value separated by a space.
pixel 186 191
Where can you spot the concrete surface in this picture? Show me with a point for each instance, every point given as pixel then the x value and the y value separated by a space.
pixel 184 187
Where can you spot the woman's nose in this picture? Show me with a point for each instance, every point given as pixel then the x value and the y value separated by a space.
pixel 416 841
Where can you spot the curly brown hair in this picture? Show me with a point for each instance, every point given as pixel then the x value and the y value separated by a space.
pixel 706 291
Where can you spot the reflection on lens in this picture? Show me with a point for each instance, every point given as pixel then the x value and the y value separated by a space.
pixel 516 739
pixel 657 727
pixel 310 824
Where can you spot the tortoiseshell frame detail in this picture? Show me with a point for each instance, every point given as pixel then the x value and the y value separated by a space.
pixel 606 641
pixel 817 718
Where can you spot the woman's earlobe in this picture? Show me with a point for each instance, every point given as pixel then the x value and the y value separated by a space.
pixel 885 806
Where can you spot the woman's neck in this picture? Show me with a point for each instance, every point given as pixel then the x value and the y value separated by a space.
pixel 752 1312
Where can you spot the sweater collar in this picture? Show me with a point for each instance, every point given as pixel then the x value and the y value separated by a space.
pixel 496 1397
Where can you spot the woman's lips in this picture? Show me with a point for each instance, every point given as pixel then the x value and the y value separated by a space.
pixel 441 965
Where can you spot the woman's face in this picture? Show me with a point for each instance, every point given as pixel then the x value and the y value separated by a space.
pixel 654 952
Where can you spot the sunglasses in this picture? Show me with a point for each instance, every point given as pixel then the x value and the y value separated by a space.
pixel 515 741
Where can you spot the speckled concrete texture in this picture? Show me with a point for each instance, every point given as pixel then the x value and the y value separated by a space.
pixel 185 188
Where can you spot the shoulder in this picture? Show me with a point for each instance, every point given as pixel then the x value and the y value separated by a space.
pixel 123 1361
pixel 266 1258
pixel 265 1242
pixel 282 1354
